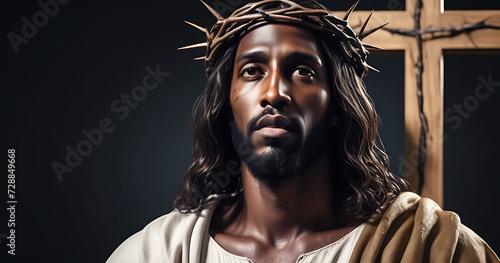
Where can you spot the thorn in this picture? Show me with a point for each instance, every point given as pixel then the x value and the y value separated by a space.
pixel 215 13
pixel 204 30
pixel 200 58
pixel 372 68
pixel 471 40
pixel 204 44
pixel 486 19
pixel 349 12
pixel 366 23
pixel 368 46
pixel 361 37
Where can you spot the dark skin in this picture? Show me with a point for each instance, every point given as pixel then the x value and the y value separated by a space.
pixel 281 66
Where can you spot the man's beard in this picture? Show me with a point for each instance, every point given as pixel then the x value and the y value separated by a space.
pixel 276 164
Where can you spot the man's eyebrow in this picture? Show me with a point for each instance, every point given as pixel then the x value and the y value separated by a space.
pixel 296 55
pixel 251 55
pixel 300 56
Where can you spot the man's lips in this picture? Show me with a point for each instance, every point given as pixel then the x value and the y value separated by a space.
pixel 275 126
pixel 273 132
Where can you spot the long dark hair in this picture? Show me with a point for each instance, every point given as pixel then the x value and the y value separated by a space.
pixel 369 180
pixel 368 175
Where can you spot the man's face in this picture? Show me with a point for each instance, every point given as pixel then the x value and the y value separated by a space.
pixel 279 97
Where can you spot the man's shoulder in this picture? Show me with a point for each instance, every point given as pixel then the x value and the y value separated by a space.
pixel 416 229
pixel 148 237
pixel 422 208
pixel 422 217
pixel 165 236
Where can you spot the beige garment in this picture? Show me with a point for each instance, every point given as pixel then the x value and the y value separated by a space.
pixel 415 229
pixel 412 229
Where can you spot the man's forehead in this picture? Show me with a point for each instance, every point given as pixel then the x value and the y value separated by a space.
pixel 278 38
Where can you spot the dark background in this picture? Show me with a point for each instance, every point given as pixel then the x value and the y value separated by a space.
pixel 91 52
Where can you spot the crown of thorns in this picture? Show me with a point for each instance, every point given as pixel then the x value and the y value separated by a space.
pixel 254 14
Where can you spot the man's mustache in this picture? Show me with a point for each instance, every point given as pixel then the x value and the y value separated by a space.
pixel 269 110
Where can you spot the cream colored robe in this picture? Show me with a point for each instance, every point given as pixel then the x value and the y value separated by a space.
pixel 412 229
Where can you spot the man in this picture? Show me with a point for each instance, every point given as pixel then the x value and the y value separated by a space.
pixel 287 166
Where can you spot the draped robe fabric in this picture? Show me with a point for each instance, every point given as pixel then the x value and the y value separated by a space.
pixel 415 229
pixel 412 229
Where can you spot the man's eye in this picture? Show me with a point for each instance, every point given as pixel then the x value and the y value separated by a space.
pixel 303 72
pixel 251 72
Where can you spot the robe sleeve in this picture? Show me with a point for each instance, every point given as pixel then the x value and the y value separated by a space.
pixel 174 237
pixel 127 252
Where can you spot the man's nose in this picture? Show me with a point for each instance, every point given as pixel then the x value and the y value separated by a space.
pixel 276 90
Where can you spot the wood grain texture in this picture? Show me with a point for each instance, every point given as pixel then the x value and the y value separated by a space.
pixel 433 17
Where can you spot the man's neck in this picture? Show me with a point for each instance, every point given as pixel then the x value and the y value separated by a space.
pixel 282 212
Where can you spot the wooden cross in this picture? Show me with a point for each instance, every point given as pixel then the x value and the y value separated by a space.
pixel 433 16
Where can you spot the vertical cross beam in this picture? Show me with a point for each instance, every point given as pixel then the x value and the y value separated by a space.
pixel 433 16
